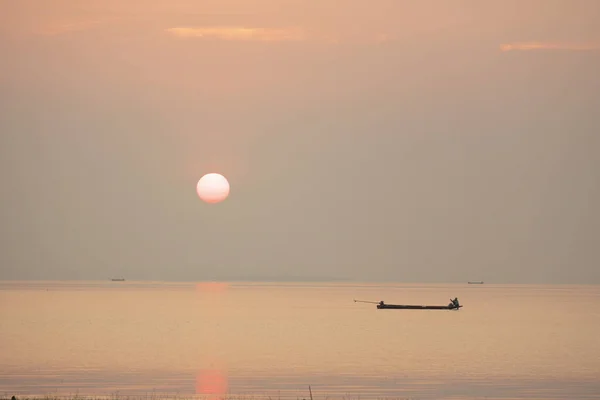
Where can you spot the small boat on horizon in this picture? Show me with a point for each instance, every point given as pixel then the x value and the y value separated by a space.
pixel 454 305
pixel 475 282
pixel 118 279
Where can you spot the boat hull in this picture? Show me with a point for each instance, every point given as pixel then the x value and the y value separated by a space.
pixel 408 307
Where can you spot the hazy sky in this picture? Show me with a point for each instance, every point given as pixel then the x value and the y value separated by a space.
pixel 387 140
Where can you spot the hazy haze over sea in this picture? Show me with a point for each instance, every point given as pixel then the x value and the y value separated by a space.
pixel 413 141
pixel 135 338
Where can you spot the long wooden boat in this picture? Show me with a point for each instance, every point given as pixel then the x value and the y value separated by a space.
pixel 453 305
pixel 384 306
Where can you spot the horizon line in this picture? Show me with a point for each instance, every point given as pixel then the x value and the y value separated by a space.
pixel 303 281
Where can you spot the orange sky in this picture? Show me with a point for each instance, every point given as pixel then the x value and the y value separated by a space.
pixel 352 133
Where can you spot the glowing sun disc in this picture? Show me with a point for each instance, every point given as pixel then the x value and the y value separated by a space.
pixel 213 188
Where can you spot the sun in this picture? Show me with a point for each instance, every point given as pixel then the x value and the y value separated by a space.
pixel 213 188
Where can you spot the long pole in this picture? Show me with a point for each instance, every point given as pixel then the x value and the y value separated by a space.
pixel 363 301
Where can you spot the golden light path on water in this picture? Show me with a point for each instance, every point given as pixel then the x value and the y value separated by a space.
pixel 212 383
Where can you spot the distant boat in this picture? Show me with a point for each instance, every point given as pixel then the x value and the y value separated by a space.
pixel 475 282
pixel 454 305
pixel 118 279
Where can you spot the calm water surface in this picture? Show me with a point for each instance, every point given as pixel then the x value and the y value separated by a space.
pixel 134 338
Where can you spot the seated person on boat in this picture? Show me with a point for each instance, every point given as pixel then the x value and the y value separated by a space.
pixel 454 303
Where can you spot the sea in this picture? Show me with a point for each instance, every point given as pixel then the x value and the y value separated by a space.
pixel 298 340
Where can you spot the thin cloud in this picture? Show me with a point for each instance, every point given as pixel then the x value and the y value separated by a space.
pixel 236 33
pixel 528 46
pixel 239 33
